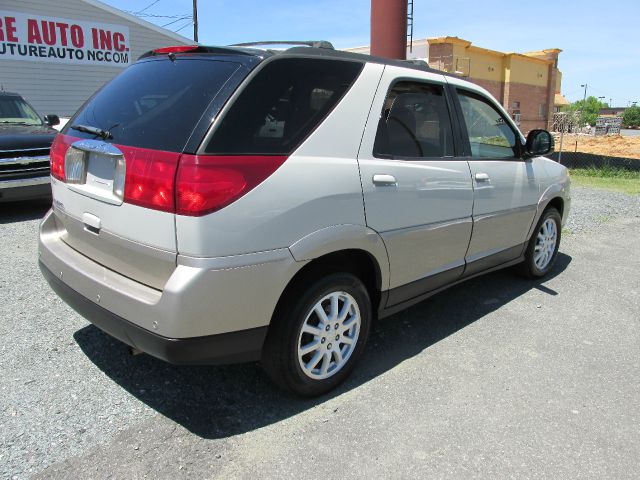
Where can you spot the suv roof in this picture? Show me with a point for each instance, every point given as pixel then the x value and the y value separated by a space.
pixel 315 49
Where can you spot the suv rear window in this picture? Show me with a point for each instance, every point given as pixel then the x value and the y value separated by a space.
pixel 282 105
pixel 156 103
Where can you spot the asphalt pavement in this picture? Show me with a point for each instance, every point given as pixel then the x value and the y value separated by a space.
pixel 499 377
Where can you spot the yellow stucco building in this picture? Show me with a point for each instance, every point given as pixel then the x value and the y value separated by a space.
pixel 527 84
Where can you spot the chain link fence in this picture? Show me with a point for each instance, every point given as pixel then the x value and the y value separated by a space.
pixel 589 160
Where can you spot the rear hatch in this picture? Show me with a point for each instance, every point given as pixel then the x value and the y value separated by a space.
pixel 114 164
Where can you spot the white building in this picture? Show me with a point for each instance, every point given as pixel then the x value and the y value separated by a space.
pixel 56 54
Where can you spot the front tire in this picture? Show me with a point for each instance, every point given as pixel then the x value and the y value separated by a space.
pixel 542 249
pixel 318 334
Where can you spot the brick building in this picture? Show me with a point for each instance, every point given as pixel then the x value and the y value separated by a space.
pixel 527 84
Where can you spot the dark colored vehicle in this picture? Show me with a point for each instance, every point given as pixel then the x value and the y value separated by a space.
pixel 25 141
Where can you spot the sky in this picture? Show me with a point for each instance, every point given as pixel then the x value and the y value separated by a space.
pixel 600 40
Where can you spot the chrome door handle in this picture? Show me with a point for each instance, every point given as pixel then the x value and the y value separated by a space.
pixel 382 179
pixel 482 177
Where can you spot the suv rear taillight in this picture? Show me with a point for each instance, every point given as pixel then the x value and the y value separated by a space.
pixel 192 185
pixel 150 177
pixel 206 183
pixel 57 155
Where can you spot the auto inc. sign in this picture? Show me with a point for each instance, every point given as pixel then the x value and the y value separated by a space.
pixel 51 39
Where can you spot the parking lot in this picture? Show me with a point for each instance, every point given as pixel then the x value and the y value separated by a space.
pixel 498 377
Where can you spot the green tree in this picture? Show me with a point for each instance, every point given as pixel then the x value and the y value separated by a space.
pixel 588 108
pixel 631 117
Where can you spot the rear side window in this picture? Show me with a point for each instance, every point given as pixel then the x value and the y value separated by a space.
pixel 414 123
pixel 155 104
pixel 282 105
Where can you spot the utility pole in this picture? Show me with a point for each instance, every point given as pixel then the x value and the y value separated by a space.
pixel 195 20
pixel 585 89
pixel 584 102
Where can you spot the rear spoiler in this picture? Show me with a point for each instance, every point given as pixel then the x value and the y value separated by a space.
pixel 172 50
pixel 236 49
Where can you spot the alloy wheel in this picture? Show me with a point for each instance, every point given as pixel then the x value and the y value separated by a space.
pixel 545 244
pixel 329 335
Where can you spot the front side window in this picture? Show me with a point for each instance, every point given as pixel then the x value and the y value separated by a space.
pixel 489 135
pixel 414 123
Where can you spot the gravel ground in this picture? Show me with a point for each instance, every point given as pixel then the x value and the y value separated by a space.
pixel 46 403
pixel 591 207
pixel 74 404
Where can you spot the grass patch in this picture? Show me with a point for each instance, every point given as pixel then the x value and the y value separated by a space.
pixel 609 178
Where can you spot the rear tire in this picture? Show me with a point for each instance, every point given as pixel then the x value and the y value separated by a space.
pixel 318 334
pixel 542 249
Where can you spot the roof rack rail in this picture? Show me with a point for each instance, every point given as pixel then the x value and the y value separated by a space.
pixel 415 61
pixel 309 43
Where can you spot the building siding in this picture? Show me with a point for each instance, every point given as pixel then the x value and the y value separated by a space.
pixel 56 88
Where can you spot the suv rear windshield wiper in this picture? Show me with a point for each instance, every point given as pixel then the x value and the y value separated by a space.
pixel 93 130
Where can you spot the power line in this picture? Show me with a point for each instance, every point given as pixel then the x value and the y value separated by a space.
pixel 147 7
pixel 182 28
pixel 178 20
pixel 153 15
pixel 192 19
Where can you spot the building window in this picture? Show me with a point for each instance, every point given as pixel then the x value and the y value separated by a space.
pixel 516 105
pixel 542 111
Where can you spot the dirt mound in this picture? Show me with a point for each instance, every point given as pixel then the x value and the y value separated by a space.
pixel 613 146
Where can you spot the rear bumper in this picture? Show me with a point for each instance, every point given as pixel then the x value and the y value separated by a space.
pixel 233 347
pixel 211 310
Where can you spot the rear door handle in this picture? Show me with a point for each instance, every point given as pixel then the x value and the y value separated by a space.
pixel 383 179
pixel 482 177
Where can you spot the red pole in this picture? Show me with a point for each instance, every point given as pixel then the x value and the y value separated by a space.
pixel 389 28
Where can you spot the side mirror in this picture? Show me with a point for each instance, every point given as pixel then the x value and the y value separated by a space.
pixel 539 142
pixel 52 120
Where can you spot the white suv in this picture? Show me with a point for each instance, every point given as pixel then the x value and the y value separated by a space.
pixel 225 204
